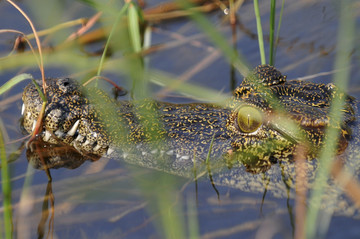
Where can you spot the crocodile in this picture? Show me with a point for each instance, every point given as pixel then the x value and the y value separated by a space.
pixel 256 130
pixel 247 124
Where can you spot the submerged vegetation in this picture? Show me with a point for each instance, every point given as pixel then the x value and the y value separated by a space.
pixel 124 31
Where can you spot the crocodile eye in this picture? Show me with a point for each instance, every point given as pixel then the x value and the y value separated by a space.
pixel 249 119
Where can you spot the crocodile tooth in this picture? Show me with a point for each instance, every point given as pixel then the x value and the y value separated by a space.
pixel 22 109
pixel 86 142
pixel 79 138
pixel 73 129
pixel 185 157
pixel 59 133
pixel 125 155
pixel 47 135
pixel 170 152
pixel 34 125
pixel 143 153
pixel 97 147
pixel 31 147
pixel 178 155
pixel 109 151
pixel 154 151
pixel 76 147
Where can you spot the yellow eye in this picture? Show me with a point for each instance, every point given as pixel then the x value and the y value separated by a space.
pixel 249 119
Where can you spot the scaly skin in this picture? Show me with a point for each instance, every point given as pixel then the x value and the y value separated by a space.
pixel 249 127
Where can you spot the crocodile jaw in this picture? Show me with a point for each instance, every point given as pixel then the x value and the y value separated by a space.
pixel 67 119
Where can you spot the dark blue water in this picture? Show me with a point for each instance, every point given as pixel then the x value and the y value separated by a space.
pixel 106 199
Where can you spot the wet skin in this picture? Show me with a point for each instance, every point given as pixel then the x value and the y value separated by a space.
pixel 251 126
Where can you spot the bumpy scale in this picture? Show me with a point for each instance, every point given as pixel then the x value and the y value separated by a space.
pixel 252 126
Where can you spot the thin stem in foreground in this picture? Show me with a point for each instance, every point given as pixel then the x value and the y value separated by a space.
pixel 259 31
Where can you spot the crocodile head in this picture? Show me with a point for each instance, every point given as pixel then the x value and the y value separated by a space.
pixel 68 115
pixel 263 121
pixel 273 115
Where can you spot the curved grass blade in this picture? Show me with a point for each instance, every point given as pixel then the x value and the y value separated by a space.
pixel 116 23
pixel 59 27
pixel 13 81
pixel 191 90
pixel 36 38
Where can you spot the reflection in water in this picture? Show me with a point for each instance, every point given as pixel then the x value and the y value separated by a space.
pixel 41 153
pixel 48 198
pixel 44 155
pixel 110 185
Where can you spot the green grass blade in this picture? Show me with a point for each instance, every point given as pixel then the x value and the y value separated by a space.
pixel 272 31
pixel 6 190
pixel 344 48
pixel 13 81
pixel 39 91
pixel 93 4
pixel 193 223
pixel 172 217
pixel 278 28
pixel 116 23
pixel 164 201
pixel 259 31
pixel 133 21
pixel 191 90
pixel 205 25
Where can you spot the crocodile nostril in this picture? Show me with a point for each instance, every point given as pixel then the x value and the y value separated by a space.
pixel 64 84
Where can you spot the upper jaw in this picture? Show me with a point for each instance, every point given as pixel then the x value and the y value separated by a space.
pixel 31 108
pixel 63 122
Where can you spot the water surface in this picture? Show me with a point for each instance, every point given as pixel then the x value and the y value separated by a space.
pixel 109 199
